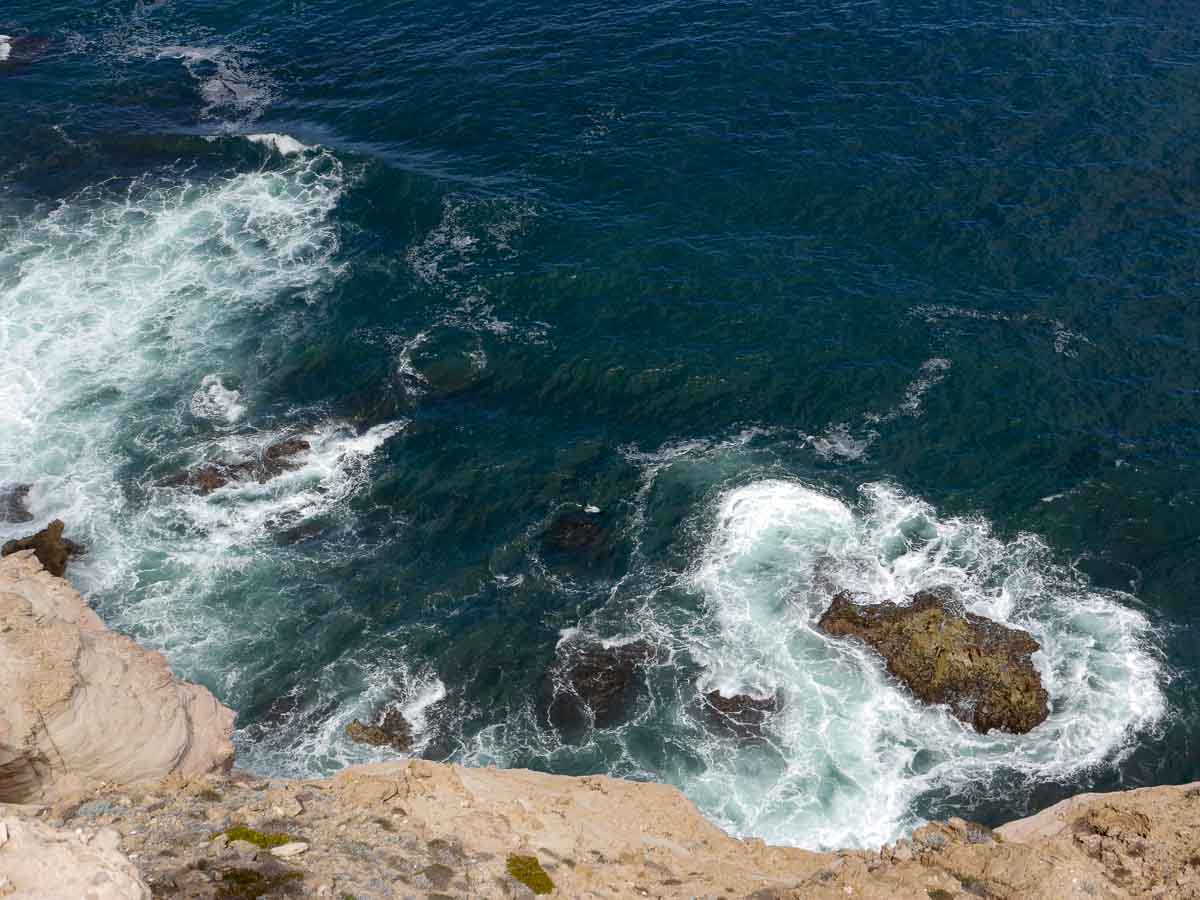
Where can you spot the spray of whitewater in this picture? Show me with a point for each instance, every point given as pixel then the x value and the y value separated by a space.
pixel 127 341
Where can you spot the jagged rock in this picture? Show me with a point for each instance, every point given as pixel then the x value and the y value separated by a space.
pixel 979 668
pixel 598 678
pixel 84 705
pixel 740 714
pixel 276 459
pixel 14 503
pixel 51 548
pixel 393 731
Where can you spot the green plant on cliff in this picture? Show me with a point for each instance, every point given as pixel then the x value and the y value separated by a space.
pixel 258 838
pixel 528 871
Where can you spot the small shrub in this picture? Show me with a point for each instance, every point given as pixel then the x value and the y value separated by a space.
pixel 258 838
pixel 528 871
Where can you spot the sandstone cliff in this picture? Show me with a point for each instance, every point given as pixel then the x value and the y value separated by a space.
pixel 83 705
pixel 115 788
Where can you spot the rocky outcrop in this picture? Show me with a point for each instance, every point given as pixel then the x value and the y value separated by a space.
pixel 278 458
pixel 595 679
pixel 741 715
pixel 38 862
pixel 83 705
pixel 980 669
pixel 392 731
pixel 51 548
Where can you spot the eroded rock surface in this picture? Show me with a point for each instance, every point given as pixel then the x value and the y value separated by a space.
pixel 51 548
pixel 83 705
pixel 417 829
pixel 38 862
pixel 979 668
pixel 393 731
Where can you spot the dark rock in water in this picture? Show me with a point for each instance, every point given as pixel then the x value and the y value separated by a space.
pixel 740 714
pixel 13 503
pixel 599 679
pixel 393 731
pixel 49 546
pixel 277 459
pixel 576 531
pixel 979 668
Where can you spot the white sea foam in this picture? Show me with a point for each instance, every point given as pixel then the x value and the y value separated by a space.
pixel 850 752
pixel 230 87
pixel 119 308
pixel 217 403
pixel 284 144
pixel 5 47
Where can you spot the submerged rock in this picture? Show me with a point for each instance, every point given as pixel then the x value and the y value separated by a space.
pixel 14 503
pixel 740 714
pixel 599 679
pixel 979 668
pixel 276 459
pixel 393 731
pixel 49 546
pixel 575 531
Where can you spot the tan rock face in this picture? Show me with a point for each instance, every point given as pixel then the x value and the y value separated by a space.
pixel 981 669
pixel 84 705
pixel 42 863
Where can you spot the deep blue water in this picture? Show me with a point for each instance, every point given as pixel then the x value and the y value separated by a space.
pixel 905 293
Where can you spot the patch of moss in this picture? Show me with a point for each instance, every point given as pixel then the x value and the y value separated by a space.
pixel 261 839
pixel 939 894
pixel 249 884
pixel 528 871
pixel 209 795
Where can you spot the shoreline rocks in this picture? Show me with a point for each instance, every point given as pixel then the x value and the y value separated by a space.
pixel 275 461
pixel 392 731
pixel 980 669
pixel 51 548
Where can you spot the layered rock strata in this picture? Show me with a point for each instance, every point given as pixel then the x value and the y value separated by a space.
pixel 83 705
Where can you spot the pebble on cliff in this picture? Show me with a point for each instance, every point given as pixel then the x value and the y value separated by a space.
pixel 980 669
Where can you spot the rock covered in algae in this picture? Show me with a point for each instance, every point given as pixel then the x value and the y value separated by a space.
pixel 980 669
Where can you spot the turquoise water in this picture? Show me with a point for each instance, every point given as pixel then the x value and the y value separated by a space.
pixel 886 298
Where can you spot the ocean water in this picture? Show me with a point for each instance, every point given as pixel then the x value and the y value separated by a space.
pixel 773 296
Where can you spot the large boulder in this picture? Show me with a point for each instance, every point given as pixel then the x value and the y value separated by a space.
pixel 980 669
pixel 51 548
pixel 85 706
